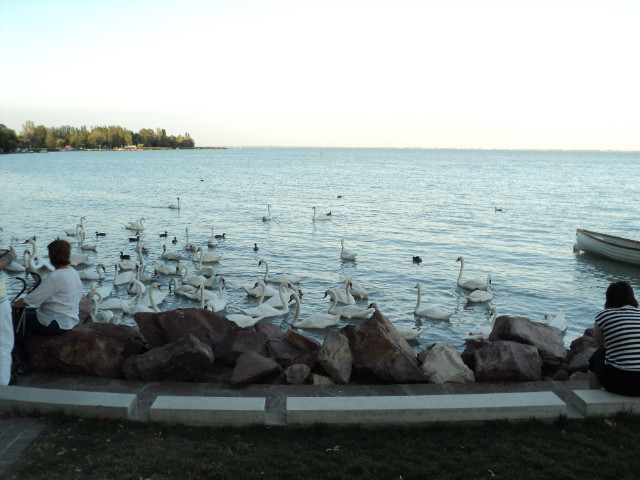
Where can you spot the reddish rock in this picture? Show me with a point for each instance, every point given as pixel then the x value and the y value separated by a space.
pixel 165 327
pixel 302 343
pixel 182 361
pixel 335 357
pixel 547 339
pixel 505 361
pixel 271 330
pixel 96 349
pixel 380 353
pixel 251 367
pixel 282 352
pixel 228 350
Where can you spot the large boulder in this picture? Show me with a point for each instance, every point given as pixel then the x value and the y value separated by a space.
pixel 95 349
pixel 182 360
pixel 505 361
pixel 441 363
pixel 228 350
pixel 547 339
pixel 301 342
pixel 251 367
pixel 165 327
pixel 335 357
pixel 380 353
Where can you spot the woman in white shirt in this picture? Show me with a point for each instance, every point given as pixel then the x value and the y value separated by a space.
pixel 53 306
pixel 6 325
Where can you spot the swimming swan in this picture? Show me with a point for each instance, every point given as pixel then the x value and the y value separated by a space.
pixel 345 297
pixel 320 217
pixel 213 242
pixel 280 278
pixel 192 247
pixel 266 311
pixel 219 301
pixel 99 274
pixel 140 307
pixel 431 311
pixel 346 254
pixel 267 217
pixel 482 295
pixel 121 278
pixel 175 206
pixel 317 320
pixel 169 255
pixel 206 257
pixel 357 290
pixel 136 226
pixel 482 332
pixel 560 321
pixel 348 311
pixel 473 284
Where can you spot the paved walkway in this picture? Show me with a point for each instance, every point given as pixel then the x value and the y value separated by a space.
pixel 17 432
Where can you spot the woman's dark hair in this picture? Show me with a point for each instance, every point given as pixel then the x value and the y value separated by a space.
pixel 620 294
pixel 59 253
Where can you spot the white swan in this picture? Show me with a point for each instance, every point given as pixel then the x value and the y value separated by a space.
pixel 320 217
pixel 219 301
pixel 104 290
pixel 99 274
pixel 156 294
pixel 346 254
pixel 280 278
pixel 431 311
pixel 102 316
pixel 140 307
pixel 17 267
pixel 267 217
pixel 188 291
pixel 206 270
pixel 74 232
pixel 275 301
pixel 121 278
pixel 407 333
pixel 194 280
pixel 560 321
pixel 42 270
pixel 175 206
pixel 128 264
pixel 257 289
pixel 192 247
pixel 472 284
pixel 242 320
pixel 317 320
pixel 85 246
pixel 265 311
pixel 161 267
pixel 345 297
pixel 348 311
pixel 170 255
pixel 206 257
pixel 482 295
pixel 213 242
pixel 36 263
pixel 136 226
pixel 141 274
pixel 357 290
pixel 79 259
pixel 71 239
pixel 482 332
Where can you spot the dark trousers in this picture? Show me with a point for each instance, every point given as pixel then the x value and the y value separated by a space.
pixel 25 322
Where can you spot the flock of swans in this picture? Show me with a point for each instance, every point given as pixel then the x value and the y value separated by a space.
pixel 190 273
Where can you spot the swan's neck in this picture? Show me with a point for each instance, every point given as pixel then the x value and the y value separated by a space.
pixel 152 300
pixel 294 322
pixel 264 291
pixel 266 272
pixel 419 296
pixel 461 268
pixel 285 304
pixel 334 303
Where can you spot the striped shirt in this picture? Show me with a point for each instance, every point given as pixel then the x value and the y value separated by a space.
pixel 621 336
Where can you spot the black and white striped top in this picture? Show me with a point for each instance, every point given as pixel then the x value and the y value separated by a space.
pixel 621 336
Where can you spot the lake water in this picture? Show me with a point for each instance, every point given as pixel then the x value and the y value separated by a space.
pixel 394 204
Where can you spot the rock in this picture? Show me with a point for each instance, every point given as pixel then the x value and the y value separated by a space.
pixel 580 361
pixel 441 363
pixel 228 350
pixel 95 349
pixel 547 339
pixel 506 361
pixel 560 376
pixel 335 357
pixel 302 343
pixel 182 360
pixel 282 352
pixel 297 374
pixel 578 376
pixel 581 343
pixel 251 367
pixel 321 380
pixel 165 327
pixel 271 330
pixel 380 353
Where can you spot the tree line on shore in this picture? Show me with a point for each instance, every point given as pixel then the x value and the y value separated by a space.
pixel 113 136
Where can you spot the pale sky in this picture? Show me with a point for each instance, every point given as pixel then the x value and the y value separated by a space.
pixel 557 74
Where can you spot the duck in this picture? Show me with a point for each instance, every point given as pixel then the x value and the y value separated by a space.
pixel 170 255
pixel 560 320
pixel 175 240
pixel 220 235
pixel 482 332
pixel 417 259
pixel 267 217
pixel 472 284
pixel 317 320
pixel 213 242
pixel 320 217
pixel 206 257
pixel 219 301
pixel 134 239
pixel 357 290
pixel 124 277
pixel 407 333
pixel 282 277
pixel 164 235
pixel 124 256
pixel 255 247
pixel 266 311
pixel 482 295
pixel 348 311
pixel 175 206
pixel 346 254
pixel 431 311
pixel 99 274
pixel 100 234
pixel 136 226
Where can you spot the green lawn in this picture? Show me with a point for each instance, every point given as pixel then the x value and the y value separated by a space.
pixel 71 448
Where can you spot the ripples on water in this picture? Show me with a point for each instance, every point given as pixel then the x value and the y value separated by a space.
pixel 438 204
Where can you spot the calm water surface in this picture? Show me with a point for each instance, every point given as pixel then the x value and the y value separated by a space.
pixel 438 204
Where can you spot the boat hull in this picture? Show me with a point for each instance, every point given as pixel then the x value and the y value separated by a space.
pixel 614 248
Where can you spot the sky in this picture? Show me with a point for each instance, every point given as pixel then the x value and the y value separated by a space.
pixel 516 74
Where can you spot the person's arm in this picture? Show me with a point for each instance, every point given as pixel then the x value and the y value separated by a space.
pixel 6 257
pixel 598 334
pixel 39 295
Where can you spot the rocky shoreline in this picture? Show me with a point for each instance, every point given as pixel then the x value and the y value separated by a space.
pixel 196 345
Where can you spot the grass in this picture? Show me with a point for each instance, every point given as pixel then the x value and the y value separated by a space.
pixel 71 448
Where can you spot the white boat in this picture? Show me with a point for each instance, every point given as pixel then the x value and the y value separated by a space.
pixel 615 248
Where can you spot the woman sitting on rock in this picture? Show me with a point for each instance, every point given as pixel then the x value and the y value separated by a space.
pixel 616 364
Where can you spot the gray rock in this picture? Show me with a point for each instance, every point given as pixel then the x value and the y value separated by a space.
pixel 251 367
pixel 580 361
pixel 228 350
pixel 335 357
pixel 441 363
pixel 302 343
pixel 321 380
pixel 297 374
pixel 271 330
pixel 506 361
